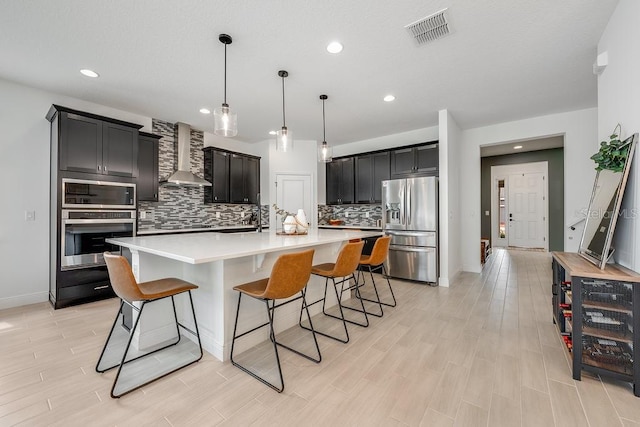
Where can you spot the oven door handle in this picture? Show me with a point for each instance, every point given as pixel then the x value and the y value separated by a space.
pixel 100 221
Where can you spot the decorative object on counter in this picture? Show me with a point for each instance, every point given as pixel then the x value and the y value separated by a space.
pixel 302 226
pixel 284 138
pixel 336 222
pixel 226 121
pixel 289 225
pixel 325 152
pixel 612 154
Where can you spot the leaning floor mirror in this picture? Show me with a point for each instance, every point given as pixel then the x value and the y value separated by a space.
pixel 614 161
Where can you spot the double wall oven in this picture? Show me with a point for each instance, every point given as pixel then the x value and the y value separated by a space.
pixel 89 213
pixel 93 211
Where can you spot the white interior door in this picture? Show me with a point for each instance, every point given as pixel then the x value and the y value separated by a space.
pixel 293 192
pixel 526 210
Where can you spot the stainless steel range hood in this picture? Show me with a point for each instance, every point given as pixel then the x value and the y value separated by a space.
pixel 183 175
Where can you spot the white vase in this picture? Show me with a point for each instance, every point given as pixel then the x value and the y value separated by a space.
pixel 301 219
pixel 289 225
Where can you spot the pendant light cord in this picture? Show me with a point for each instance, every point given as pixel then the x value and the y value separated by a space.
pixel 324 134
pixel 225 73
pixel 284 120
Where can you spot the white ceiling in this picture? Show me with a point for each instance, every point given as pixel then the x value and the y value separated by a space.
pixel 528 145
pixel 505 60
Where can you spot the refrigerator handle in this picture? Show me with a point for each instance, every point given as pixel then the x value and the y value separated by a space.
pixel 408 203
pixel 402 207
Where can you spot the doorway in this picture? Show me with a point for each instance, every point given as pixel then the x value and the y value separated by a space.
pixel 519 208
pixel 293 192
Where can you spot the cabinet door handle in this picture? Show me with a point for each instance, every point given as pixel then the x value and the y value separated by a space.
pixel 104 169
pixel 98 168
pixel 97 288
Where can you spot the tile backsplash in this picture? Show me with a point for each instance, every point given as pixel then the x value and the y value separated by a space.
pixel 355 215
pixel 183 207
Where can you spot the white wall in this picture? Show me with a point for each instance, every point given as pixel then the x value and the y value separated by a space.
pixel 301 160
pixel 24 172
pixel 449 198
pixel 619 102
pixel 580 142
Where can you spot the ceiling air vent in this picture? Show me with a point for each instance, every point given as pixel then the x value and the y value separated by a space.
pixel 430 28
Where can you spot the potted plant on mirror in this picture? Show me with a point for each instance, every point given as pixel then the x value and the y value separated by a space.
pixel 613 153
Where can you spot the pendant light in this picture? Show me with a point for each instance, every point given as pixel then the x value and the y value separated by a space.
pixel 284 137
pixel 226 121
pixel 325 152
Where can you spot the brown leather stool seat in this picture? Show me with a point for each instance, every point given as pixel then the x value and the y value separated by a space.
pixel 289 275
pixel 375 262
pixel 344 267
pixel 130 291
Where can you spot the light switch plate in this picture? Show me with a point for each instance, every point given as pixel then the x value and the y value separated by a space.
pixel 143 215
pixel 486 213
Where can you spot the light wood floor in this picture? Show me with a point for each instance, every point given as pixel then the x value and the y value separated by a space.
pixel 483 352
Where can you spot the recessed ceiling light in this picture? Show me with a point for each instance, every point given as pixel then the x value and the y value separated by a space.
pixel 272 132
pixel 89 73
pixel 334 47
pixel 389 98
pixel 205 111
pixel 517 147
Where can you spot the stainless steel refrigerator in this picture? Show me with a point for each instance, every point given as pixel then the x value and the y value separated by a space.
pixel 410 217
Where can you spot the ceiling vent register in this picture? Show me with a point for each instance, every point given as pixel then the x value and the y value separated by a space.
pixel 431 28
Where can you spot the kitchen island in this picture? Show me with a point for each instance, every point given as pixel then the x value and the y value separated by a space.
pixel 216 262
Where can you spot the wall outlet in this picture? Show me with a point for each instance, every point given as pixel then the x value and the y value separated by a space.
pixel 217 215
pixel 366 215
pixel 29 215
pixel 242 215
pixel 346 214
pixel 143 215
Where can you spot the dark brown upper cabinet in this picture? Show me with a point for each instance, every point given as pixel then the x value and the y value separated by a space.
pixel 148 175
pixel 216 171
pixel 415 161
pixel 234 177
pixel 371 170
pixel 340 181
pixel 94 144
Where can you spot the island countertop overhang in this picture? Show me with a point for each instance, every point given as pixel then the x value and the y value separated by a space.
pixel 208 247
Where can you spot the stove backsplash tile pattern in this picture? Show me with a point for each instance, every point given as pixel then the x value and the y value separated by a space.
pixel 183 207
pixel 353 215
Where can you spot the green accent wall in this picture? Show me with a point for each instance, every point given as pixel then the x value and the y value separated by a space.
pixel 555 159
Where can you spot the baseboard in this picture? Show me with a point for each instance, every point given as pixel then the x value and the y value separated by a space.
pixel 20 300
pixel 472 268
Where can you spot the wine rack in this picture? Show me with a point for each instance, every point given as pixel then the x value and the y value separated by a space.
pixel 597 313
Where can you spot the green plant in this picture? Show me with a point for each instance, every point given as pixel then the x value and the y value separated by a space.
pixel 612 154
pixel 281 212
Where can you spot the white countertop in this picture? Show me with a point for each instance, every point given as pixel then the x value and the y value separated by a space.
pixel 349 227
pixel 192 230
pixel 197 248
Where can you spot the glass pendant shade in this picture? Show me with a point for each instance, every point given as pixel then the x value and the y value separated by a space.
pixel 284 140
pixel 226 121
pixel 325 153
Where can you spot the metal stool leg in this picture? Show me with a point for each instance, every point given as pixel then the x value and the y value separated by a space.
pixel 342 318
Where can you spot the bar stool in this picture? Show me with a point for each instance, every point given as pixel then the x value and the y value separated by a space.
pixel 289 275
pixel 375 262
pixel 129 291
pixel 344 267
